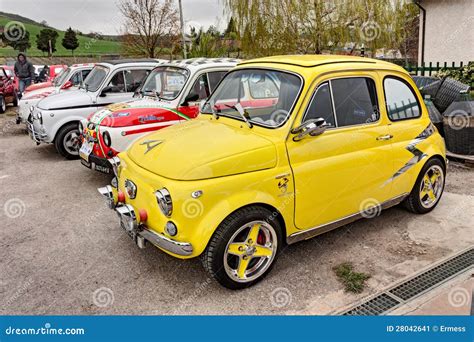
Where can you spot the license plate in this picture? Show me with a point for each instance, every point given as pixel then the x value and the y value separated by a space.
pixel 85 151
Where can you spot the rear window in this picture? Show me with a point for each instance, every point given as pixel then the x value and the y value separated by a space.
pixel 400 100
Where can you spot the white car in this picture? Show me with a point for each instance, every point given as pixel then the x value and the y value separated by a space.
pixel 68 79
pixel 171 94
pixel 55 118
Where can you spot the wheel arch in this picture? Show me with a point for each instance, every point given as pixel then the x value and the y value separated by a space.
pixel 64 124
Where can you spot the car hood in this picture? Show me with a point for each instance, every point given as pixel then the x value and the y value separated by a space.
pixel 66 100
pixel 39 93
pixel 202 149
pixel 37 86
pixel 136 112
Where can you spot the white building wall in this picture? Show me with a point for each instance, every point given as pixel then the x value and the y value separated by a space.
pixel 449 35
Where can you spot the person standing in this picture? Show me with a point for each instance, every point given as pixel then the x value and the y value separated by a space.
pixel 25 72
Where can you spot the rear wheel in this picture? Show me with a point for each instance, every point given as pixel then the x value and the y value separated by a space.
pixel 3 105
pixel 15 99
pixel 244 248
pixel 428 188
pixel 68 141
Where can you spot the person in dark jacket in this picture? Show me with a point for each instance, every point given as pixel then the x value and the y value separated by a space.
pixel 25 72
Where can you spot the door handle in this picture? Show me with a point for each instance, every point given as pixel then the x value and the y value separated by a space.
pixel 385 137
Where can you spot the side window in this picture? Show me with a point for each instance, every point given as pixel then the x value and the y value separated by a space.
pixel 133 79
pixel 400 100
pixel 117 83
pixel 201 87
pixel 321 105
pixel 85 73
pixel 214 78
pixel 355 101
pixel 76 78
pixel 263 87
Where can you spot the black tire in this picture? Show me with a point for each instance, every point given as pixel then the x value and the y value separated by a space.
pixel 413 202
pixel 3 105
pixel 213 257
pixel 60 143
pixel 15 100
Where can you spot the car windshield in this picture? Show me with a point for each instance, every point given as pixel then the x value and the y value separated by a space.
pixel 165 82
pixel 61 78
pixel 95 78
pixel 262 97
pixel 8 72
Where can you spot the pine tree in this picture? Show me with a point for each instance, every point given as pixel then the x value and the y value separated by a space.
pixel 70 41
pixel 46 37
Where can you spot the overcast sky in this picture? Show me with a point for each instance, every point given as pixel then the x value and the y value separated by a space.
pixel 102 15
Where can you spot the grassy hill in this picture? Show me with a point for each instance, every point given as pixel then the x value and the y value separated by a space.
pixel 87 45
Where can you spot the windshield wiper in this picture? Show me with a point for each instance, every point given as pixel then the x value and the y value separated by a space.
pixel 243 113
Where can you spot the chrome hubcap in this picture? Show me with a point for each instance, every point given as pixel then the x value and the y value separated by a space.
pixel 71 142
pixel 250 251
pixel 431 186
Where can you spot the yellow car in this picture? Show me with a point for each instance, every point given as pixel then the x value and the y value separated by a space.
pixel 286 148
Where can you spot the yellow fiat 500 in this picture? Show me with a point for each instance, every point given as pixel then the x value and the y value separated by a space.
pixel 286 148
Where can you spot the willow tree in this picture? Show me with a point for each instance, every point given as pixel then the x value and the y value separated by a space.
pixel 315 26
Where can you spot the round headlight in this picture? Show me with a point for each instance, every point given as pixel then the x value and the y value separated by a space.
pixel 107 139
pixel 165 203
pixel 171 228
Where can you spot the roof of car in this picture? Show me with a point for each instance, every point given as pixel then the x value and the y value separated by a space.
pixel 204 62
pixel 83 65
pixel 308 61
pixel 131 60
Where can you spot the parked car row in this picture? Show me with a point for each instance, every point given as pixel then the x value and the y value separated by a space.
pixel 231 161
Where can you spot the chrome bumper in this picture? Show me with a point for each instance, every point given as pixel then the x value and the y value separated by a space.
pixel 129 221
pixel 37 137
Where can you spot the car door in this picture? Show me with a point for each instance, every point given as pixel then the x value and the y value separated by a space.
pixel 342 171
pixel 403 108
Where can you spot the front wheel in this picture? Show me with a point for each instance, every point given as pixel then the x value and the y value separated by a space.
pixel 428 188
pixel 244 248
pixel 3 105
pixel 68 141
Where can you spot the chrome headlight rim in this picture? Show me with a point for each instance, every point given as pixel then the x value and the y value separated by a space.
pixel 165 203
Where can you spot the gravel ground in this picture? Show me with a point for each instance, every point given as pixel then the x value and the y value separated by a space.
pixel 62 251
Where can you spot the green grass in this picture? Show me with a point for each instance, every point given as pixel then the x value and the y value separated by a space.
pixel 87 46
pixel 352 281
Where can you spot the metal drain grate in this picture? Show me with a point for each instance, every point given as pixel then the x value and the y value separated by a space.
pixel 373 307
pixel 434 276
pixel 414 286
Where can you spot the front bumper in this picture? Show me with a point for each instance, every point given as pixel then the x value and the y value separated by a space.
pixel 34 133
pixel 97 163
pixel 130 222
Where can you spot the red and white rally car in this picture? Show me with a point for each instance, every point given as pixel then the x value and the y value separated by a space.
pixel 170 94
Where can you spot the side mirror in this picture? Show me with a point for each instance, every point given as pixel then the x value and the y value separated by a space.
pixel 106 90
pixel 67 85
pixel 311 127
pixel 192 97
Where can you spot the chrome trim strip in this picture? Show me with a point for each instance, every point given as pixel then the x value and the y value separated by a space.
pixel 312 232
pixel 161 241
